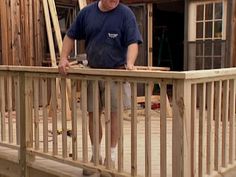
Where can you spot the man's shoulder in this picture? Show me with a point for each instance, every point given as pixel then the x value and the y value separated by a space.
pixel 89 7
pixel 125 10
pixel 124 7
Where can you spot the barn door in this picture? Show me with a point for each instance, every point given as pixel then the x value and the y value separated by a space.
pixel 207 35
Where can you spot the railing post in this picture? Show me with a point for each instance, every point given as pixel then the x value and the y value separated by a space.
pixel 26 124
pixel 29 111
pixel 181 140
pixel 22 153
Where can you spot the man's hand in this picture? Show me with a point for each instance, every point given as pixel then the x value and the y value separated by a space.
pixel 63 66
pixel 132 54
pixel 130 67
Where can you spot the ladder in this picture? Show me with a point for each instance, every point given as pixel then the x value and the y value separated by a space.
pixel 164 50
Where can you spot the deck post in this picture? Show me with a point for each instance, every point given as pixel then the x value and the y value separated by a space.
pixel 26 124
pixel 181 139
pixel 22 152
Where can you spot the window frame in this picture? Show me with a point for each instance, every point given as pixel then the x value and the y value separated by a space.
pixel 192 22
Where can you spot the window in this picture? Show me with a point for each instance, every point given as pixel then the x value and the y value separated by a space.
pixel 207 35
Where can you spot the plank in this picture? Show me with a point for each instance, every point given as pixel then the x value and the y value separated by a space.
pixel 202 131
pixel 82 4
pixel 120 118
pixel 154 98
pixel 210 109
pixel 74 119
pixel 23 130
pixel 193 130
pixel 36 112
pixel 55 21
pixel 9 108
pixel 49 33
pixel 3 108
pixel 232 86
pixel 45 115
pixel 54 115
pixel 84 120
pixel 225 118
pixel 148 169
pixel 50 5
pixel 108 122
pixel 181 136
pixel 134 129
pixel 217 112
pixel 163 129
pixel 96 120
pixel 63 118
pixel 17 107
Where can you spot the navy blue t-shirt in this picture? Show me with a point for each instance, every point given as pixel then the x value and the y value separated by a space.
pixel 106 34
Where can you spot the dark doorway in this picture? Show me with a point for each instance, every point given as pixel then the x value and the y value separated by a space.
pixel 168 35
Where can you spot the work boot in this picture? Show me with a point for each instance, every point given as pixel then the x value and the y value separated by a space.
pixel 87 172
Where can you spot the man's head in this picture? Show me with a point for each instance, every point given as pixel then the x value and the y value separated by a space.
pixel 107 5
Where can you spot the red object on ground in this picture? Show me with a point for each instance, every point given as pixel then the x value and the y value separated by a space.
pixel 155 106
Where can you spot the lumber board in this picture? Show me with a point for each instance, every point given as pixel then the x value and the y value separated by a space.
pixel 51 42
pixel 49 33
pixel 82 4
pixel 154 98
pixel 53 11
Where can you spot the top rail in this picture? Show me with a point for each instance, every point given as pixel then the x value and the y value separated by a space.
pixel 144 72
pixel 203 104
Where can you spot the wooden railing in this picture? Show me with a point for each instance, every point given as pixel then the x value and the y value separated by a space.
pixel 198 140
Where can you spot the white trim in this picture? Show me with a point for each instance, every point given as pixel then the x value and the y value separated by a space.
pixel 192 19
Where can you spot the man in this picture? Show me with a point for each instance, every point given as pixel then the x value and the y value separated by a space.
pixel 111 36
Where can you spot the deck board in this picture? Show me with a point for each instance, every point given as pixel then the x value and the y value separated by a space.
pixel 155 144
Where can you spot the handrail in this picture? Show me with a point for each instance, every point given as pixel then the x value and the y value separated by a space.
pixel 195 74
pixel 203 104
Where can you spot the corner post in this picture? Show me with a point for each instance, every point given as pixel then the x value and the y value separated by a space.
pixel 181 138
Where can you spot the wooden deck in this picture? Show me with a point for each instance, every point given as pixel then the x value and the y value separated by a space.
pixel 127 144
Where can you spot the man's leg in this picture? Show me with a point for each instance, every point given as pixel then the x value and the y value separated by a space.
pixel 85 171
pixel 114 129
pixel 91 128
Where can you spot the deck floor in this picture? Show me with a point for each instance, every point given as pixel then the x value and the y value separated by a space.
pixel 155 150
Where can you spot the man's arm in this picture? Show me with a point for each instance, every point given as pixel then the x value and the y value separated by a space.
pixel 132 54
pixel 67 47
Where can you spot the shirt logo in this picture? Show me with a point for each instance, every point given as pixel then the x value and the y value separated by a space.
pixel 112 35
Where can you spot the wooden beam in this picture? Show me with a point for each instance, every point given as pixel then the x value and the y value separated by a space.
pixel 55 21
pixel 49 33
pixel 46 5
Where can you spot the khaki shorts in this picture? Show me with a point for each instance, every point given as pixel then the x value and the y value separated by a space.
pixel 101 95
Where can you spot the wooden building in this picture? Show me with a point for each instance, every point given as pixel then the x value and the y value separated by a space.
pixel 180 34
pixel 41 139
